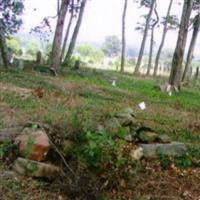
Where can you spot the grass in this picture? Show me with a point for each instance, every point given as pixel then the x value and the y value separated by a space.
pixel 92 89
pixel 78 101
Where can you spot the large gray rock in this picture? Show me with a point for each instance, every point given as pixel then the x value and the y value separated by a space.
pixel 149 136
pixel 35 169
pixel 164 138
pixel 172 149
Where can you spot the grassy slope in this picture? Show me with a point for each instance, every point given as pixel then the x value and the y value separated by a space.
pixel 79 101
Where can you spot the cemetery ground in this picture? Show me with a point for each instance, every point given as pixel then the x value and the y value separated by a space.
pixel 98 165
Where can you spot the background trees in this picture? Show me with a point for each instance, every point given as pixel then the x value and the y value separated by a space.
pixel 56 47
pixel 152 28
pixel 123 36
pixel 10 23
pixel 176 68
pixel 168 23
pixel 14 44
pixel 196 26
pixel 68 23
pixel 150 4
pixel 91 54
pixel 76 31
pixel 72 6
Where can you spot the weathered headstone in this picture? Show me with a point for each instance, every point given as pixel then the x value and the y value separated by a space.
pixel 39 57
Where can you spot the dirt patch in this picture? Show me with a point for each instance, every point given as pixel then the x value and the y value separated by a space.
pixel 23 93
pixel 78 89
pixel 7 116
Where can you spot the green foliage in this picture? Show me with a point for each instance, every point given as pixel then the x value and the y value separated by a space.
pixel 102 150
pixel 165 161
pixel 191 158
pixel 90 53
pixel 14 44
pixel 85 50
pixel 28 147
pixel 47 51
pixel 9 20
pixel 32 49
pixel 4 148
pixel 93 149
pixel 183 161
pixel 146 3
pixel 172 22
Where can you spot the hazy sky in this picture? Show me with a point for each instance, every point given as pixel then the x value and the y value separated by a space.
pixel 102 18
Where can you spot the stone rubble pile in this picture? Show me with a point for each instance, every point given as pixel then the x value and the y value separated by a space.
pixel 33 143
pixel 33 146
pixel 149 143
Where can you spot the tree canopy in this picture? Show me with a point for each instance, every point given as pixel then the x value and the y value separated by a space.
pixel 10 11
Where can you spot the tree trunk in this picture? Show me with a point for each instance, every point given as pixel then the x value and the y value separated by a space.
pixel 150 52
pixel 123 36
pixel 75 33
pixel 58 7
pixel 152 40
pixel 192 46
pixel 197 74
pixel 4 50
pixel 144 39
pixel 165 28
pixel 67 33
pixel 56 48
pixel 176 69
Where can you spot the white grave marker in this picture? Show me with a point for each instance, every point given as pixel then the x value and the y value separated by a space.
pixel 168 89
pixel 170 93
pixel 114 83
pixel 142 106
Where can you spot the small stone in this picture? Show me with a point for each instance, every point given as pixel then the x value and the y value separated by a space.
pixel 147 137
pixel 124 119
pixel 122 183
pixel 100 128
pixel 129 111
pixel 134 127
pixel 33 144
pixel 136 154
pixel 112 126
pixel 129 138
pixel 164 139
pixel 172 149
pixel 35 169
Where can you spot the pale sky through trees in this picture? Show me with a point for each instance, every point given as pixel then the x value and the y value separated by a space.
pixel 103 18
